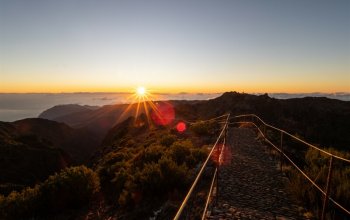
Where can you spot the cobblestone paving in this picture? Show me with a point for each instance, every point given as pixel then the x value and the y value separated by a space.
pixel 250 184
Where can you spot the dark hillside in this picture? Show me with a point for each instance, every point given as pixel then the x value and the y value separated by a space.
pixel 62 110
pixel 33 149
pixel 319 120
pixel 78 143
pixel 98 121
pixel 26 159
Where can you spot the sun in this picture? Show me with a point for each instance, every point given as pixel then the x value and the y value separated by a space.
pixel 141 91
pixel 141 103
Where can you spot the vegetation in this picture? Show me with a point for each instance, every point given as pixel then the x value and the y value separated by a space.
pixel 71 188
pixel 142 167
pixel 155 165
pixel 317 166
pixel 203 128
pixel 133 176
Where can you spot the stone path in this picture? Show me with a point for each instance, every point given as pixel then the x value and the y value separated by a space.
pixel 250 184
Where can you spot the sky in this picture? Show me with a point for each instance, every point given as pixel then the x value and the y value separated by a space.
pixel 174 46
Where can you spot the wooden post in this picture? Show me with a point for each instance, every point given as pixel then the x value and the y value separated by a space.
pixel 326 198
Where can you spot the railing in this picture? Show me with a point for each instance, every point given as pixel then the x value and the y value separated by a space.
pixel 201 171
pixel 262 127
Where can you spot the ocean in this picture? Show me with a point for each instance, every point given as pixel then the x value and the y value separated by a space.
pixel 16 106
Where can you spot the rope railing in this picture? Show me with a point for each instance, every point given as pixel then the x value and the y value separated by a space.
pixel 294 137
pixel 200 173
pixel 325 192
pixel 258 123
pixel 222 117
pixel 204 215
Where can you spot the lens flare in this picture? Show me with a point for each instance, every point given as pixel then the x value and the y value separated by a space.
pixel 222 155
pixel 163 113
pixel 181 127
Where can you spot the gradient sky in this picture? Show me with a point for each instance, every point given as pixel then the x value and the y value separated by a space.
pixel 175 46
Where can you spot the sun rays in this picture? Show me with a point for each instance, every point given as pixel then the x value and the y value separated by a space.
pixel 141 102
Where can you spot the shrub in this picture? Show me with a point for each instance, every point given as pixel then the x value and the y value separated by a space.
pixel 316 166
pixel 111 163
pixel 200 154
pixel 114 157
pixel 174 176
pixel 168 140
pixel 119 180
pixel 24 203
pixel 204 128
pixel 71 188
pixel 153 153
pixel 180 150
pixel 150 178
pixel 157 166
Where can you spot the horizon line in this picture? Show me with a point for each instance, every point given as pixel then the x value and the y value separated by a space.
pixel 179 93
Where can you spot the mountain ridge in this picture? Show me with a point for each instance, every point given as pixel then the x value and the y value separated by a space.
pixel 287 113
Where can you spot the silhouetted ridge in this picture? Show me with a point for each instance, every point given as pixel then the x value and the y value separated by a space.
pixel 62 110
pixel 317 119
